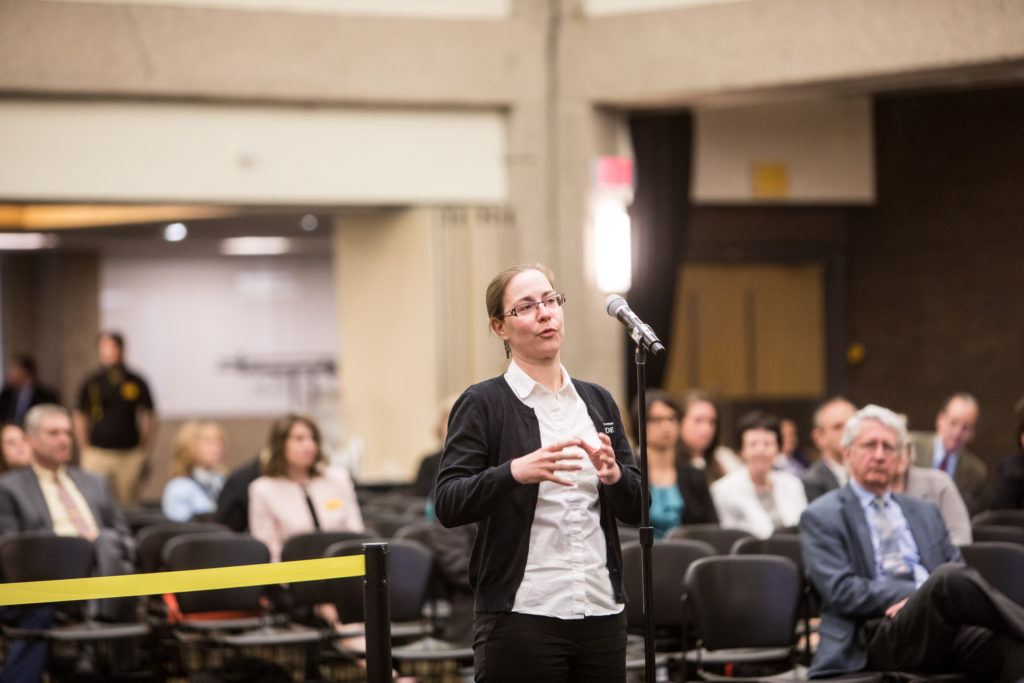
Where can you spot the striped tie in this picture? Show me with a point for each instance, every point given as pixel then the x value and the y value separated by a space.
pixel 893 565
pixel 74 512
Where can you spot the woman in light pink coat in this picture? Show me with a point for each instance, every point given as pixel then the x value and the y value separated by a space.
pixel 298 492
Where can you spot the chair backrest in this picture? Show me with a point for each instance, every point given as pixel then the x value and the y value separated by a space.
pixel 150 540
pixel 721 538
pixel 44 556
pixel 999 518
pixel 410 571
pixel 419 531
pixel 786 545
pixel 138 518
pixel 999 533
pixel 669 560
pixel 387 522
pixel 216 549
pixel 310 546
pixel 1001 564
pixel 745 600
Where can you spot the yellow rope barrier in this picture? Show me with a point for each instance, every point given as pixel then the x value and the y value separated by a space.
pixel 97 587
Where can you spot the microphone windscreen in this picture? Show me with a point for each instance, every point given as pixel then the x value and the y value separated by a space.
pixel 613 303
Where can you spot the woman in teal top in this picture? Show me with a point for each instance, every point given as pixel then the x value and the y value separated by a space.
pixel 663 430
pixel 666 507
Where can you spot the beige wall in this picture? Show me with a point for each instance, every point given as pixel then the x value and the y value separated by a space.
pixel 717 52
pixel 388 337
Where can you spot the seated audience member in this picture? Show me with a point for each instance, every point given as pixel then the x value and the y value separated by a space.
pixel 895 593
pixel 452 548
pixel 15 451
pixel 196 479
pixel 679 491
pixel 296 492
pixel 946 449
pixel 791 457
pixel 21 391
pixel 756 498
pixel 828 472
pixel 426 475
pixel 936 487
pixel 700 437
pixel 233 501
pixel 50 495
pixel 1008 488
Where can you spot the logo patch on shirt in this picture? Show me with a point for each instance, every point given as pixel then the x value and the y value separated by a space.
pixel 129 391
pixel 609 427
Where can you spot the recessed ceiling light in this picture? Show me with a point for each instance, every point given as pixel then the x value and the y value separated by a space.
pixel 175 232
pixel 309 222
pixel 255 246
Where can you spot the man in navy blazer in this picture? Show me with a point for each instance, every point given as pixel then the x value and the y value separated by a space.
pixel 915 609
pixel 21 391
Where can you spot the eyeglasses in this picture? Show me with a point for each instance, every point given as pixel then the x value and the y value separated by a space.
pixel 888 449
pixel 528 307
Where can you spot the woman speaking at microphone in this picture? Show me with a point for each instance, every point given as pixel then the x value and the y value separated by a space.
pixel 541 463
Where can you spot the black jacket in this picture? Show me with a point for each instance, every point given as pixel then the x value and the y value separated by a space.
pixel 489 426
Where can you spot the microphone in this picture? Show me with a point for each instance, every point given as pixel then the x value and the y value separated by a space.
pixel 640 331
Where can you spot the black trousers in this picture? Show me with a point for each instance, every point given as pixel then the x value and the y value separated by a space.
pixel 954 622
pixel 523 647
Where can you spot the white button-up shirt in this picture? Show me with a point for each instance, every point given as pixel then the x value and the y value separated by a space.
pixel 566 573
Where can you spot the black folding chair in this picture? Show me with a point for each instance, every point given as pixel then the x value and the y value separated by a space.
pixel 746 608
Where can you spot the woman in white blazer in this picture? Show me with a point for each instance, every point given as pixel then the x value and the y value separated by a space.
pixel 757 498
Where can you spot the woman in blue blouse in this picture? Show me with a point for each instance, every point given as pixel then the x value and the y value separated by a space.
pixel 196 477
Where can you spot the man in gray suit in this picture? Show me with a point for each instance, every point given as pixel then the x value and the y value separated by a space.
pixel 828 472
pixel 895 593
pixel 946 449
pixel 51 496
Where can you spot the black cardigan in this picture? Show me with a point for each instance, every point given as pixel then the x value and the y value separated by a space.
pixel 489 426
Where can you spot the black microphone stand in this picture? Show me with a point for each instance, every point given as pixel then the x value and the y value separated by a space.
pixel 646 530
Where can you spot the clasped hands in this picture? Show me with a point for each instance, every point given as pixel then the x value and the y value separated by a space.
pixel 545 464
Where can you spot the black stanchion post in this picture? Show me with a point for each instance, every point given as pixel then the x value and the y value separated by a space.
pixel 377 613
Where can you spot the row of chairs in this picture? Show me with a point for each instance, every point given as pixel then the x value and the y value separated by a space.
pixel 716 611
pixel 744 600
pixel 209 625
pixel 411 581
pixel 1005 526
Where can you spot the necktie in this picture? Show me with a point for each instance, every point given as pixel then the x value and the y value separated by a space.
pixel 893 565
pixel 74 513
pixel 944 465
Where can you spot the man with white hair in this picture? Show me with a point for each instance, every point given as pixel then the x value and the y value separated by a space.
pixel 895 593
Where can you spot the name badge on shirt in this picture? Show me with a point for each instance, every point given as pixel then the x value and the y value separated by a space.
pixel 333 504
pixel 609 427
